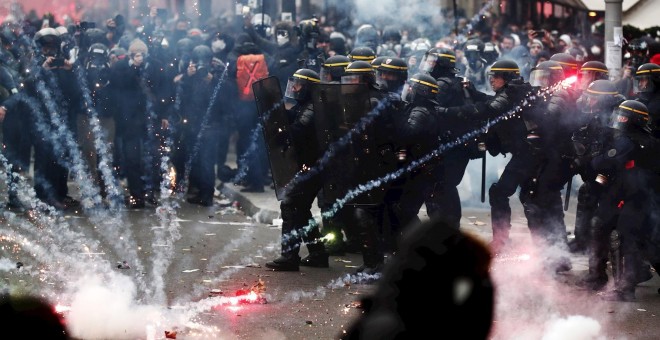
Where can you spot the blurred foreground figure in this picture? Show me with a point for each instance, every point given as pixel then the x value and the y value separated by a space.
pixel 438 266
pixel 33 317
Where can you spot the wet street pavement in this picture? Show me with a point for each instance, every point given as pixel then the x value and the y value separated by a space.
pixel 185 265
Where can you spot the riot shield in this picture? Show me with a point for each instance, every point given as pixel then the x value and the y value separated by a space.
pixel 275 127
pixel 337 110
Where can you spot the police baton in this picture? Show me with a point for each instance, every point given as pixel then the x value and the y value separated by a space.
pixel 568 193
pixel 483 178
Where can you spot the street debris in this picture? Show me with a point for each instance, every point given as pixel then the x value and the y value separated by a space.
pixel 123 265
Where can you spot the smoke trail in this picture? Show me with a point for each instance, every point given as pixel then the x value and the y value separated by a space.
pixel 254 135
pixel 476 19
pixel 220 258
pixel 205 119
pixel 338 145
pixel 112 186
pixel 89 192
pixel 115 230
pixel 375 183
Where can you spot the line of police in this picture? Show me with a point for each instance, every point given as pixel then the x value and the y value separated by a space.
pixel 556 137
pixel 583 127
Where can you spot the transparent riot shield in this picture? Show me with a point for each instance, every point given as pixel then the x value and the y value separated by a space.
pixel 275 123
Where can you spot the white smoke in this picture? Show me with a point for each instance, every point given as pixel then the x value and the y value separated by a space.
pixel 109 310
pixel 7 265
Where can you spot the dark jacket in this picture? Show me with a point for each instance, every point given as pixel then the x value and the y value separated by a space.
pixel 135 90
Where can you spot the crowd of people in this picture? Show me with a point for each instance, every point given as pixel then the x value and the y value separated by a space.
pixel 117 99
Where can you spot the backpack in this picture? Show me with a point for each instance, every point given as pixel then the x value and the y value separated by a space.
pixel 249 69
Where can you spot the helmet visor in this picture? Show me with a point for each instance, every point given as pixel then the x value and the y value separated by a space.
pixel 295 89
pixel 587 77
pixel 541 78
pixel 643 84
pixel 428 63
pixel 352 79
pixel 326 75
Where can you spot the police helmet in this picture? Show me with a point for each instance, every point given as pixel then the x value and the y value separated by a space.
pixel 439 61
pixel 507 69
pixel 546 74
pixel 378 60
pixel 647 78
pixel 299 85
pixel 568 62
pixel 363 53
pixel 600 95
pixel 392 74
pixel 359 71
pixel 334 68
pixel 630 115
pixel 421 87
pixel 590 71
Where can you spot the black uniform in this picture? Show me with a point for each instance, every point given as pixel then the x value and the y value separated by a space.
pixel 508 136
pixel 298 225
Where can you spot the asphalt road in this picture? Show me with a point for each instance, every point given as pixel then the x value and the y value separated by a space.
pixel 187 264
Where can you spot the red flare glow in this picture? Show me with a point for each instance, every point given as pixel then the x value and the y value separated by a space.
pixel 569 81
pixel 243 297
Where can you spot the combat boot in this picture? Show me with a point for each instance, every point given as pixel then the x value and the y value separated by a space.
pixel 285 263
pixel 317 257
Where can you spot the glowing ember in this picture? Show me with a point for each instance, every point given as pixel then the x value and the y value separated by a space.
pixel 244 296
pixel 60 309
pixel 328 237
pixel 172 178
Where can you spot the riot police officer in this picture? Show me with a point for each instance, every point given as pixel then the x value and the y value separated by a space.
pixel 296 206
pixel 589 72
pixel 568 63
pixel 596 104
pixel 647 91
pixel 363 53
pixel 391 74
pixel 440 63
pixel 333 68
pixel 507 136
pixel 626 167
pixel 419 137
pixel 378 158
pixel 547 126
